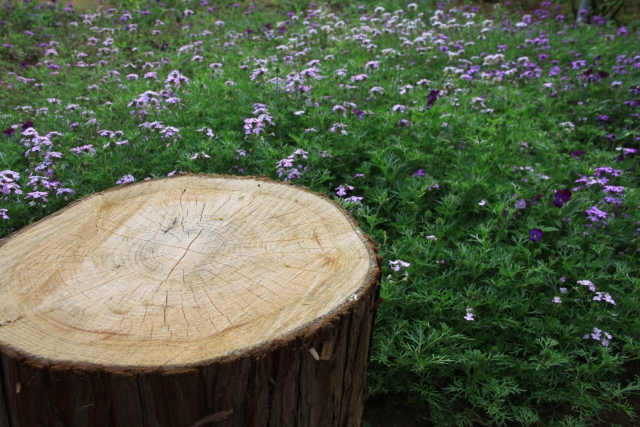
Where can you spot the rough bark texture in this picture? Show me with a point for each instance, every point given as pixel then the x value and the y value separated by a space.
pixel 314 377
pixel 285 387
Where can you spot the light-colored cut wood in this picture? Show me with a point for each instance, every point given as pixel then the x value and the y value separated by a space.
pixel 194 300
pixel 177 271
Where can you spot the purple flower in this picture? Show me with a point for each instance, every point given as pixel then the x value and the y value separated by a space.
pixel 359 113
pixel 606 169
pixel 602 118
pixel 604 295
pixel 359 77
pixel 588 284
pixel 398 264
pixel 595 214
pixel 561 197
pixel 61 191
pixel 342 190
pixel 354 199
pixel 26 125
pixel 37 195
pixel 557 300
pixel 3 214
pixel 469 317
pixel 613 189
pixel 536 199
pixel 597 335
pixel 563 290
pixel 9 131
pixel 419 172
pixel 614 200
pixel 577 154
pixel 535 235
pixel 125 179
pixel 432 98
pixel 576 65
pixel 563 279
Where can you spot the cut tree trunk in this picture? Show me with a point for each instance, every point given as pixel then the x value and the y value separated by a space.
pixel 198 300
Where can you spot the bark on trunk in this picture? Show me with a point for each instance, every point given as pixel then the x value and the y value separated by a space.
pixel 313 374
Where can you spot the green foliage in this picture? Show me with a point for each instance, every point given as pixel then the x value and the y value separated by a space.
pixel 494 150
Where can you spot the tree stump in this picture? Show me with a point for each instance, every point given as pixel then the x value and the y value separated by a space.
pixel 188 301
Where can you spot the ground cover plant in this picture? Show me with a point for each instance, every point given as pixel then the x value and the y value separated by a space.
pixel 492 157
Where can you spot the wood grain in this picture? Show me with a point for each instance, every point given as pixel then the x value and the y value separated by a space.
pixel 165 302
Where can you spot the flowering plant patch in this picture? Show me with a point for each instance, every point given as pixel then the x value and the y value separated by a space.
pixel 493 157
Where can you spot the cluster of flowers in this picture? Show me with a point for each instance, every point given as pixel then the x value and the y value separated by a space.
pixel 256 125
pixel 291 167
pixel 167 132
pixel 342 191
pixel 597 335
pixel 398 264
pixel 598 296
pixel 110 134
pixel 42 179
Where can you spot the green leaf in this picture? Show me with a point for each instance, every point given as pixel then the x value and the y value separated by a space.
pixel 572 207
pixel 547 229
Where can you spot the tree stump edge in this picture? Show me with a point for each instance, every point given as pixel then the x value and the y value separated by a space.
pixel 332 326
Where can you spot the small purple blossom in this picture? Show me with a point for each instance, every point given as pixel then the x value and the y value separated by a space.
pixel 536 199
pixel 398 264
pixel 604 296
pixel 125 179
pixel 520 204
pixel 287 168
pixel 588 284
pixel 594 214
pixel 432 98
pixel 42 195
pixel 354 199
pixel 535 235
pixel 597 335
pixel 561 197
pixel 469 317
pixel 342 190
